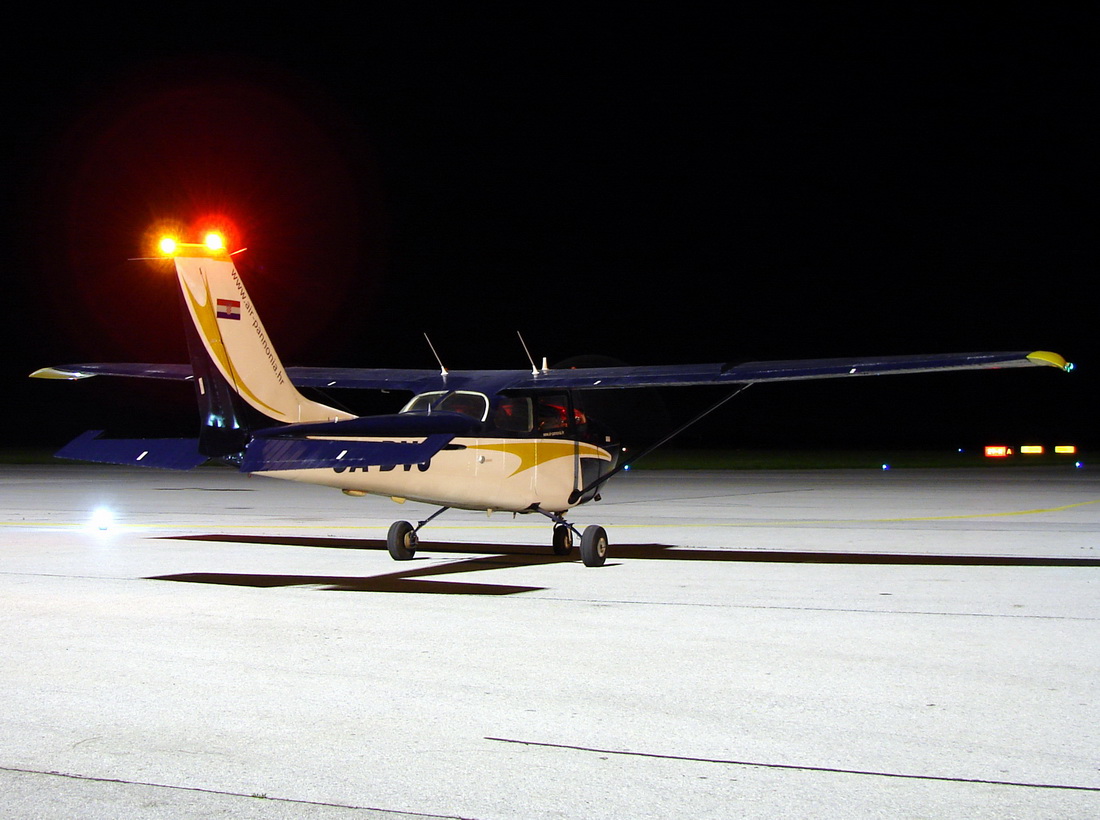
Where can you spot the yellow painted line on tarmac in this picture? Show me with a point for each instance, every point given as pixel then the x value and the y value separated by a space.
pixel 810 522
pixel 276 525
pixel 125 526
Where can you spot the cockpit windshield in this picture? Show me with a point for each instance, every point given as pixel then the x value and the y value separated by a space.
pixel 466 402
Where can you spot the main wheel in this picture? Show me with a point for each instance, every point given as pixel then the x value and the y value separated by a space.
pixel 593 546
pixel 563 539
pixel 401 541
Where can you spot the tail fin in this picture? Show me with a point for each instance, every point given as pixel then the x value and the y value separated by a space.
pixel 231 355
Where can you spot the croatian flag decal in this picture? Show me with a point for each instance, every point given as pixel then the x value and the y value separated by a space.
pixel 229 309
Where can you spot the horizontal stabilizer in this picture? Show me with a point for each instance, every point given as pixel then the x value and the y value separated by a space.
pixel 277 453
pixel 164 453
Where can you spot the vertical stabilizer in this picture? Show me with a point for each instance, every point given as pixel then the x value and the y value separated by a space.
pixel 230 344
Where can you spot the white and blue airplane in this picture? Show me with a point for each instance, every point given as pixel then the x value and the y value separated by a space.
pixel 516 441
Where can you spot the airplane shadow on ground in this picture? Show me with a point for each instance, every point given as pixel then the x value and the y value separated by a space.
pixel 422 579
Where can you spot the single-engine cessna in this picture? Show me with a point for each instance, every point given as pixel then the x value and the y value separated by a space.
pixel 518 441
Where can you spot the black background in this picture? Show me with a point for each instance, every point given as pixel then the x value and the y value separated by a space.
pixel 652 185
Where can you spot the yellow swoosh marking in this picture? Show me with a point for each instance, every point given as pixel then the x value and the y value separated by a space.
pixel 533 453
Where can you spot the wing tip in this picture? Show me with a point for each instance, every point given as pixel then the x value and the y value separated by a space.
pixel 1045 357
pixel 59 373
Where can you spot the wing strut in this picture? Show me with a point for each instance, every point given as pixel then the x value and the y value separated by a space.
pixel 577 494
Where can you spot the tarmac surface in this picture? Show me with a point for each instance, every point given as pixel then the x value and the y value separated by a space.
pixel 851 644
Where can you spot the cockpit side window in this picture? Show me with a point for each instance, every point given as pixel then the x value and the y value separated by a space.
pixel 513 414
pixel 421 403
pixel 552 413
pixel 466 402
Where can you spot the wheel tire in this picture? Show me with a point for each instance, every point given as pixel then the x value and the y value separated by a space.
pixel 401 541
pixel 563 539
pixel 593 546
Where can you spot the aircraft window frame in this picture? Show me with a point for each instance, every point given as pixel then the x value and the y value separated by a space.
pixel 436 400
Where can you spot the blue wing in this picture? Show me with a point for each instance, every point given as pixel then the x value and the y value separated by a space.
pixel 599 378
pixel 794 370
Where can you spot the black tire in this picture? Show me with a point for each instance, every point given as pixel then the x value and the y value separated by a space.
pixel 401 541
pixel 563 539
pixel 593 546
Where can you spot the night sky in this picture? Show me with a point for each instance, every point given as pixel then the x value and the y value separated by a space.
pixel 650 185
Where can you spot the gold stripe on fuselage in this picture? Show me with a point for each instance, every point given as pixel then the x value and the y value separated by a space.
pixel 533 453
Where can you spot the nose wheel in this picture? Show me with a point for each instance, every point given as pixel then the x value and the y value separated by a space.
pixel 593 540
pixel 594 546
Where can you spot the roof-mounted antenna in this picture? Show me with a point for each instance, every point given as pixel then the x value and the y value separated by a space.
pixel 534 370
pixel 439 361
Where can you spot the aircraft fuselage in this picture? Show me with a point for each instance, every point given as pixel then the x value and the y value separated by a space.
pixel 478 473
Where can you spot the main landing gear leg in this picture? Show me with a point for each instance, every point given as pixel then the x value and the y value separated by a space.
pixel 402 538
pixel 593 540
